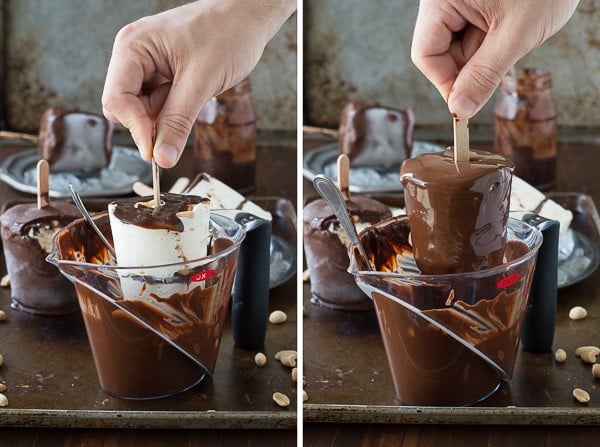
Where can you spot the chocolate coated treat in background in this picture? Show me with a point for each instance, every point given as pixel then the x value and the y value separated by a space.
pixel 326 251
pixel 225 138
pixel 375 135
pixel 75 141
pixel 37 286
pixel 457 215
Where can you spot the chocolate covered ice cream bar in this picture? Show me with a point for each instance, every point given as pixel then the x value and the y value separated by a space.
pixel 75 141
pixel 375 135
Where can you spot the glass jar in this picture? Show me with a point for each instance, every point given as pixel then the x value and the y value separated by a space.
pixel 525 116
pixel 225 138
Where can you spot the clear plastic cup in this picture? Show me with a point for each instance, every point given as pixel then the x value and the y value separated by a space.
pixel 449 339
pixel 166 339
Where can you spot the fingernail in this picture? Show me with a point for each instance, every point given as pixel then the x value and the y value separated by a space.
pixel 168 154
pixel 463 107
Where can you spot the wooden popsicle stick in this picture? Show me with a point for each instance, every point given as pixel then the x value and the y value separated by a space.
pixel 141 189
pixel 155 173
pixel 43 186
pixel 343 172
pixel 179 186
pixel 321 131
pixel 461 140
pixel 18 136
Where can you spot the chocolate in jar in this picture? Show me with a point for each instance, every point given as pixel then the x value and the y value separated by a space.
pixel 526 125
pixel 457 215
pixel 225 138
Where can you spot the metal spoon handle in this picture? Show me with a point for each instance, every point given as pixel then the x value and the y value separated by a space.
pixel 332 195
pixel 79 204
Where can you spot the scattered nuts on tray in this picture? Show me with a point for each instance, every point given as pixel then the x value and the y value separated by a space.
pixel 2 387
pixel 287 358
pixel 577 313
pixel 587 354
pixel 596 371
pixel 2 315
pixel 582 396
pixel 5 281
pixel 1 359
pixel 304 396
pixel 260 359
pixel 560 355
pixel 3 400
pixel 277 317
pixel 295 374
pixel 281 399
pixel 305 276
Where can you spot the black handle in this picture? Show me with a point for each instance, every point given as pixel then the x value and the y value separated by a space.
pixel 250 300
pixel 540 316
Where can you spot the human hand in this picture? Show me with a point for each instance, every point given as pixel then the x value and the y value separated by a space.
pixel 165 67
pixel 465 47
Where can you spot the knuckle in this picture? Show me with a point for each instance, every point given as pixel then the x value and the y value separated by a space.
pixel 177 124
pixel 485 79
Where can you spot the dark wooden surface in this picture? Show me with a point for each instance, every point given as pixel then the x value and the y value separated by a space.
pixel 352 400
pixel 54 395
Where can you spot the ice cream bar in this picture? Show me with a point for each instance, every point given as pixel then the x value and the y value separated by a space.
pixel 145 236
pixel 457 216
pixel 75 141
pixel 375 135
pixel 224 197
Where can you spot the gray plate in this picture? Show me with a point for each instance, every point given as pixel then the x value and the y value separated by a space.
pixel 282 262
pixel 126 167
pixel 323 160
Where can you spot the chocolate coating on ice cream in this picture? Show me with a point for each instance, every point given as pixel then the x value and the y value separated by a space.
pixel 375 135
pixel 457 215
pixel 325 247
pixel 36 285
pixel 163 217
pixel 75 141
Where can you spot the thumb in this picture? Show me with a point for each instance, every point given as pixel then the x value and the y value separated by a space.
pixel 176 118
pixel 481 75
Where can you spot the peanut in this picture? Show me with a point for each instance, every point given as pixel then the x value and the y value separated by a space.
pixel 582 396
pixel 260 359
pixel 582 349
pixel 304 396
pixel 281 399
pixel 277 317
pixel 589 356
pixel 577 313
pixel 2 315
pixel 287 358
pixel 1 359
pixel 295 374
pixel 3 400
pixel 596 370
pixel 305 276
pixel 5 281
pixel 2 387
pixel 560 355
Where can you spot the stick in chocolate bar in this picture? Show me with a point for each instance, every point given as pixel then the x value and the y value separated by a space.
pixel 155 173
pixel 343 168
pixel 43 188
pixel 461 140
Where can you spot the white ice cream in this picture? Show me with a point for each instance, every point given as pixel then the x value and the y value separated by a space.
pixel 137 246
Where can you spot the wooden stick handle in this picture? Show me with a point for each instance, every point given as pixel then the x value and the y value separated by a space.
pixel 43 187
pixel 461 140
pixel 343 168
pixel 311 130
pixel 18 136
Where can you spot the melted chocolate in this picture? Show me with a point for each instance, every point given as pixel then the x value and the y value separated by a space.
pixel 457 215
pixel 430 367
pixel 163 217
